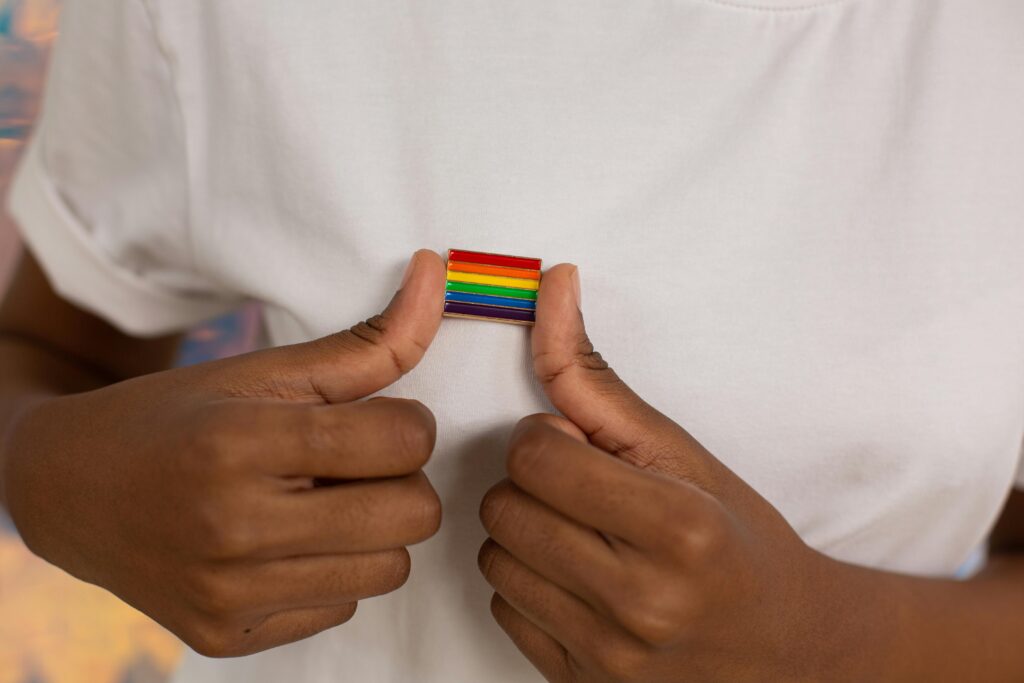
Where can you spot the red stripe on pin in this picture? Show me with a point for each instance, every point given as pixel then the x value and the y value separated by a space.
pixel 493 259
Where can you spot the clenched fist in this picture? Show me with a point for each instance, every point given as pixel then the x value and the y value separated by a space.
pixel 622 550
pixel 248 502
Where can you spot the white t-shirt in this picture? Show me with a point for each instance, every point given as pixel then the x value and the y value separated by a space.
pixel 800 228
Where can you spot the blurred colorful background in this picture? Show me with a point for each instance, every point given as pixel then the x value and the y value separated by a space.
pixel 53 628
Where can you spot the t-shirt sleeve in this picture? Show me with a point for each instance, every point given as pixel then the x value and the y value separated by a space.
pixel 101 192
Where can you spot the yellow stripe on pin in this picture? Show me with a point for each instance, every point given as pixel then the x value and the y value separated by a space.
pixel 474 278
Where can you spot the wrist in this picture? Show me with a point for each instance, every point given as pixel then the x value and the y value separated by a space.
pixel 853 623
pixel 15 416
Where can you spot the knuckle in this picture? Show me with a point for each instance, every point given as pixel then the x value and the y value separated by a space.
pixel 707 543
pixel 661 624
pixel 236 538
pixel 346 612
pixel 432 514
pixel 587 357
pixel 499 608
pixel 620 659
pixel 583 356
pixel 492 562
pixel 498 508
pixel 655 626
pixel 204 438
pixel 226 537
pixel 373 332
pixel 654 610
pixel 415 431
pixel 551 421
pixel 369 332
pixel 527 449
pixel 702 542
pixel 213 639
pixel 213 595
pixel 207 644
pixel 321 430
pixel 423 510
pixel 225 462
pixel 675 536
pixel 207 514
pixel 214 446
pixel 395 568
pixel 612 594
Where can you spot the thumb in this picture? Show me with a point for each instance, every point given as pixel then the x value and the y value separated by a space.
pixel 583 387
pixel 365 358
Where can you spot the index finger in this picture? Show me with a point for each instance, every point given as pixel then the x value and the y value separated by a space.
pixel 594 487
pixel 382 437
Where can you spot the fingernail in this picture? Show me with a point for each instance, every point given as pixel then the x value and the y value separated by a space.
pixel 408 271
pixel 577 294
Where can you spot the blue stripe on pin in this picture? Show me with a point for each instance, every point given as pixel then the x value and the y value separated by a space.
pixel 467 298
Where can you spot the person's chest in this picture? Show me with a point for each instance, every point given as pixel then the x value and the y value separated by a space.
pixel 799 233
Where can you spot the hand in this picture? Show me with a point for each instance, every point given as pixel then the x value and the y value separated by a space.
pixel 622 550
pixel 196 494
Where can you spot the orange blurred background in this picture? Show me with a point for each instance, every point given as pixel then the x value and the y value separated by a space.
pixel 54 628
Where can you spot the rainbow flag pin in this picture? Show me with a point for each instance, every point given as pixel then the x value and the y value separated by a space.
pixel 492 287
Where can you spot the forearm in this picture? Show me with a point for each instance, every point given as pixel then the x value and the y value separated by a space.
pixel 30 372
pixel 938 629
pixel 49 347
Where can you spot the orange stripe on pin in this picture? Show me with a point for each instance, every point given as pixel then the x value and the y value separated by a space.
pixel 494 270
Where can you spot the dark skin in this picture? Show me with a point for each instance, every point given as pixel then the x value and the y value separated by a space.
pixel 620 549
pixel 190 493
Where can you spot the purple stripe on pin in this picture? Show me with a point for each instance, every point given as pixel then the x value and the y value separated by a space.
pixel 476 310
